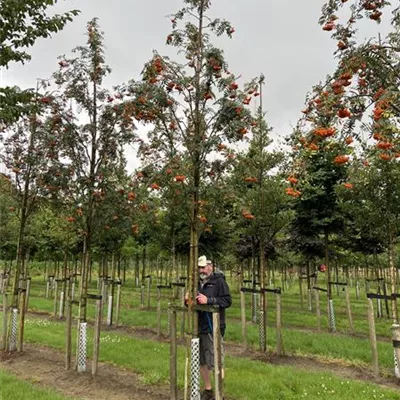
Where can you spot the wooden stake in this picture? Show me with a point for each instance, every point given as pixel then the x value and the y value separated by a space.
pixel 173 367
pixel 243 316
pixel 118 304
pixel 68 333
pixel 5 320
pixel 21 321
pixel 55 296
pixel 301 290
pixel 318 310
pixel 28 290
pixel 148 292
pixel 186 378
pixel 158 312
pixel 348 306
pixel 279 341
pixel 372 336
pixel 183 314
pixel 217 356
pixel 96 338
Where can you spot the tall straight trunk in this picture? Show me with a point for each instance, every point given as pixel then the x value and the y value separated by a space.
pixel 137 267
pixel 198 123
pixel 253 262
pixel 20 250
pixel 119 267
pixel 393 272
pixel 83 283
pixel 143 263
pixel 173 258
pixel 263 298
pixel 113 276
pixel 124 269
pixel 328 270
pixel 89 212
pixel 19 263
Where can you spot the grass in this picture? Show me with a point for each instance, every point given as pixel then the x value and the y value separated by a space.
pixel 13 388
pixel 249 380
pixel 246 379
pixel 340 347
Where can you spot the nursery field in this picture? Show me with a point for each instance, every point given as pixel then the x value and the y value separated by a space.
pixel 134 356
pixel 188 182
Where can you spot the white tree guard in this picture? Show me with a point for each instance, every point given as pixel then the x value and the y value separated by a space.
pixel 28 292
pixel 396 365
pixel 109 309
pixel 195 369
pixel 169 319
pixel 261 329
pixel 379 308
pixel 72 290
pixel 357 289
pixel 395 333
pixel 332 322
pixel 142 296
pixel 14 326
pixel 104 288
pixel 254 308
pixel 61 308
pixel 47 289
pixel 82 347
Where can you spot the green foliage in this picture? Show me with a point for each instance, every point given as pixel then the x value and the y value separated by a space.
pixel 260 198
pixel 52 232
pixel 21 24
pixel 9 218
pixel 96 190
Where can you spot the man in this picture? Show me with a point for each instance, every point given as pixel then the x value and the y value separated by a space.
pixel 213 290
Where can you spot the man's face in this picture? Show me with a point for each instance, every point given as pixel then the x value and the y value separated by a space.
pixel 205 272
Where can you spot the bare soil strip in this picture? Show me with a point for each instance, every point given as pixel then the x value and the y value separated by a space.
pixel 45 367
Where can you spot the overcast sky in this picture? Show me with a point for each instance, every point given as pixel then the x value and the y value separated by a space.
pixel 279 38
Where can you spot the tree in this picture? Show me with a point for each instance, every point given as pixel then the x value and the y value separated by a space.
pixel 194 106
pixel 21 24
pixel 261 197
pixel 376 92
pixel 92 151
pixel 32 160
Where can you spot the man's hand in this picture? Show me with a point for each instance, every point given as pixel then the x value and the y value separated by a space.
pixel 201 299
pixel 188 302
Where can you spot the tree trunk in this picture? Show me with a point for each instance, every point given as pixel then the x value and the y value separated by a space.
pixel 393 271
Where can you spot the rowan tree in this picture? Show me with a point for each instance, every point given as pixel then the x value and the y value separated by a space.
pixel 30 159
pixel 94 126
pixel 372 94
pixel 194 105
pixel 322 149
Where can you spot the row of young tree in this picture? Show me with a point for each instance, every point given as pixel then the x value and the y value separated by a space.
pixel 210 177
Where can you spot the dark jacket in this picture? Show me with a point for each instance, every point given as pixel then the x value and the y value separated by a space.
pixel 217 292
